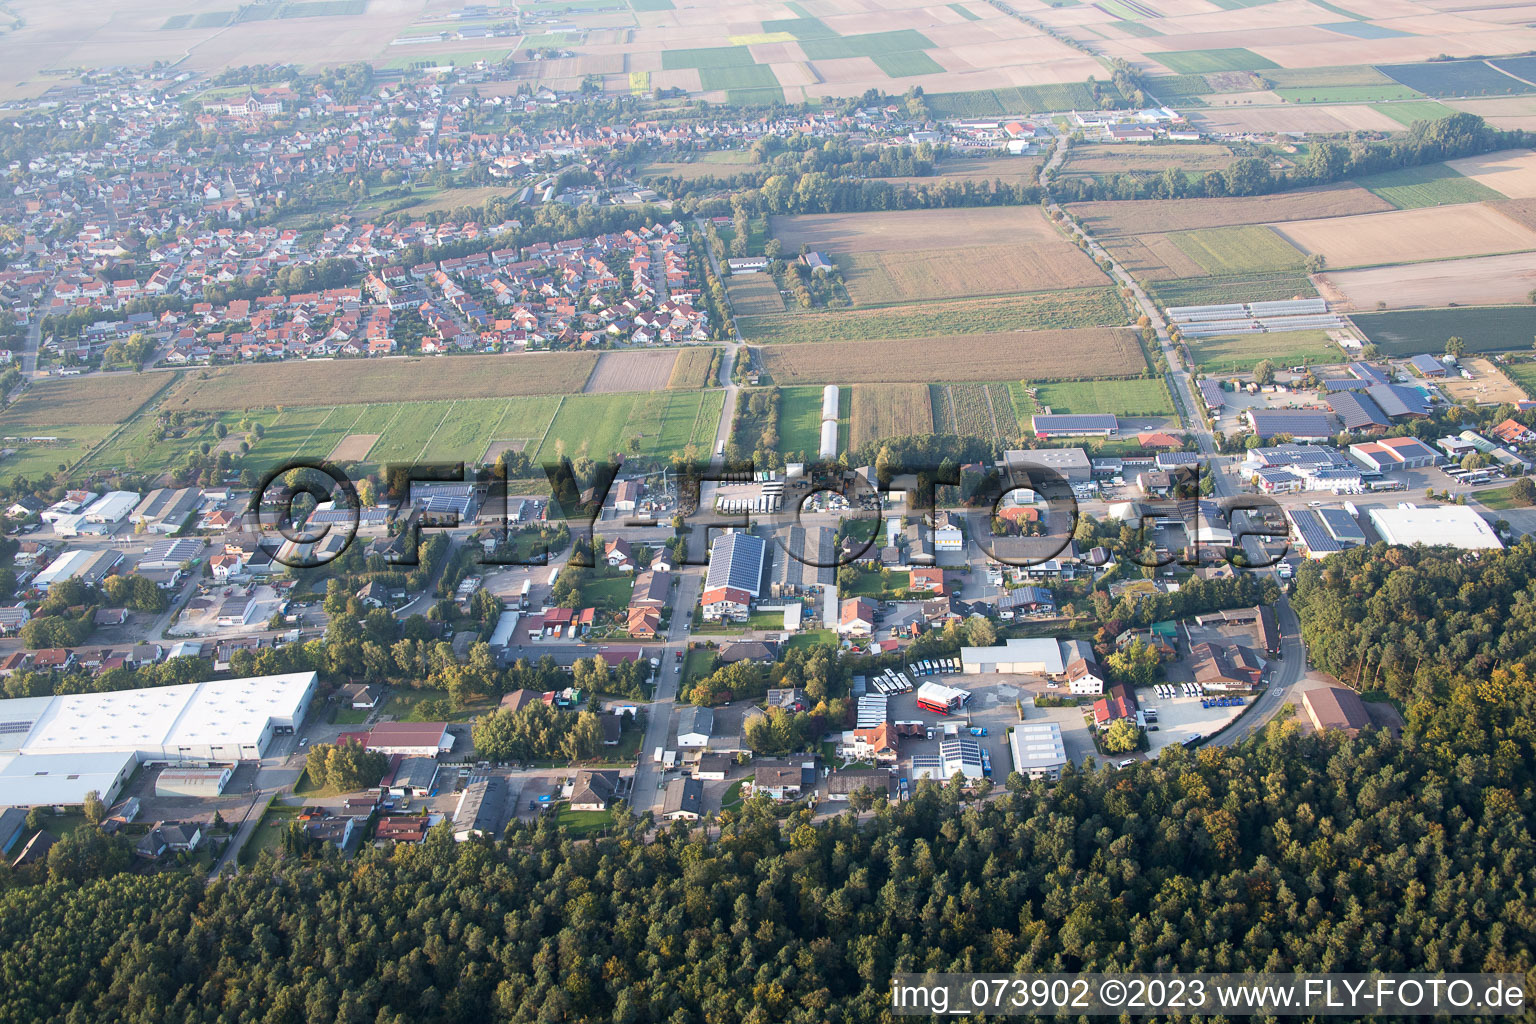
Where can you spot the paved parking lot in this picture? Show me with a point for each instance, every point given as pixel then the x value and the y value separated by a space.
pixel 1181 717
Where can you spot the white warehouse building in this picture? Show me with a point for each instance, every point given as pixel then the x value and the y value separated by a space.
pixel 85 741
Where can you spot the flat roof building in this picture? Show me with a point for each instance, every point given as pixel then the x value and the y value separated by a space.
pixel 1014 657
pixel 1072 464
pixel 112 507
pixel 164 510
pixel 1038 751
pixel 89 567
pixel 1457 526
pixel 63 779
pixel 200 782
pixel 219 720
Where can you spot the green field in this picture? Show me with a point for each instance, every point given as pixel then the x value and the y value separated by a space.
pixel 1253 249
pixel 800 28
pixel 904 65
pixel 872 44
pixel 707 57
pixel 33 459
pixel 752 76
pixel 1407 113
pixel 800 419
pixel 644 6
pixel 1481 328
pixel 1346 93
pixel 1239 352
pixel 1015 100
pixel 1199 62
pixel 1146 396
pixel 1522 373
pixel 1409 188
pixel 665 421
pixel 1138 29
pixel 754 97
pixel 409 432
pixel 1309 78
pixel 964 12
pixel 1085 307
pixel 1196 291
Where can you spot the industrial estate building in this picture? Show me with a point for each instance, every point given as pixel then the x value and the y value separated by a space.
pixel 54 750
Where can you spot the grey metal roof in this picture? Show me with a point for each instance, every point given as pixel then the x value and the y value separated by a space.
pixel 1296 422
pixel 1357 410
pixel 1397 400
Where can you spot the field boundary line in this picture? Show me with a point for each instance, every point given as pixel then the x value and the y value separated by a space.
pixel 552 417
pixel 441 420
pixel 324 420
pixel 1511 74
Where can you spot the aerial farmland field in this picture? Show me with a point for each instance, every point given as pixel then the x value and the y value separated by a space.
pixel 64 402
pixel 1240 352
pixel 800 419
pixel 877 278
pixel 1237 250
pixel 1427 185
pixel 319 382
pixel 1195 62
pixel 1478 281
pixel 1036 355
pixel 1407 236
pixel 1086 307
pixel 1455 78
pixel 1141 396
pixel 975 409
pixel 889 410
pixel 1482 329
pixel 1108 219
pixel 914 230
pixel 600 425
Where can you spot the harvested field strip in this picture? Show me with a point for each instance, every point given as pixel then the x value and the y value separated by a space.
pixel 1107 219
pixel 639 370
pixel 1237 250
pixel 1409 236
pixel 692 367
pixel 878 278
pixel 1036 355
pixel 1092 307
pixel 889 410
pixel 109 398
pixel 1482 329
pixel 317 382
pixel 906 65
pixel 918 230
pixel 754 294
pixel 1347 93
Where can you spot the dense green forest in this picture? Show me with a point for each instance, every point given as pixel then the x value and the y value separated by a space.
pixel 1398 619
pixel 1290 852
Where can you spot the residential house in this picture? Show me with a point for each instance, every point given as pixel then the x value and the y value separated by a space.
pixel 694 725
pixel 856 617
pixel 683 800
pixel 719 603
pixel 777 782
pixel 593 790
